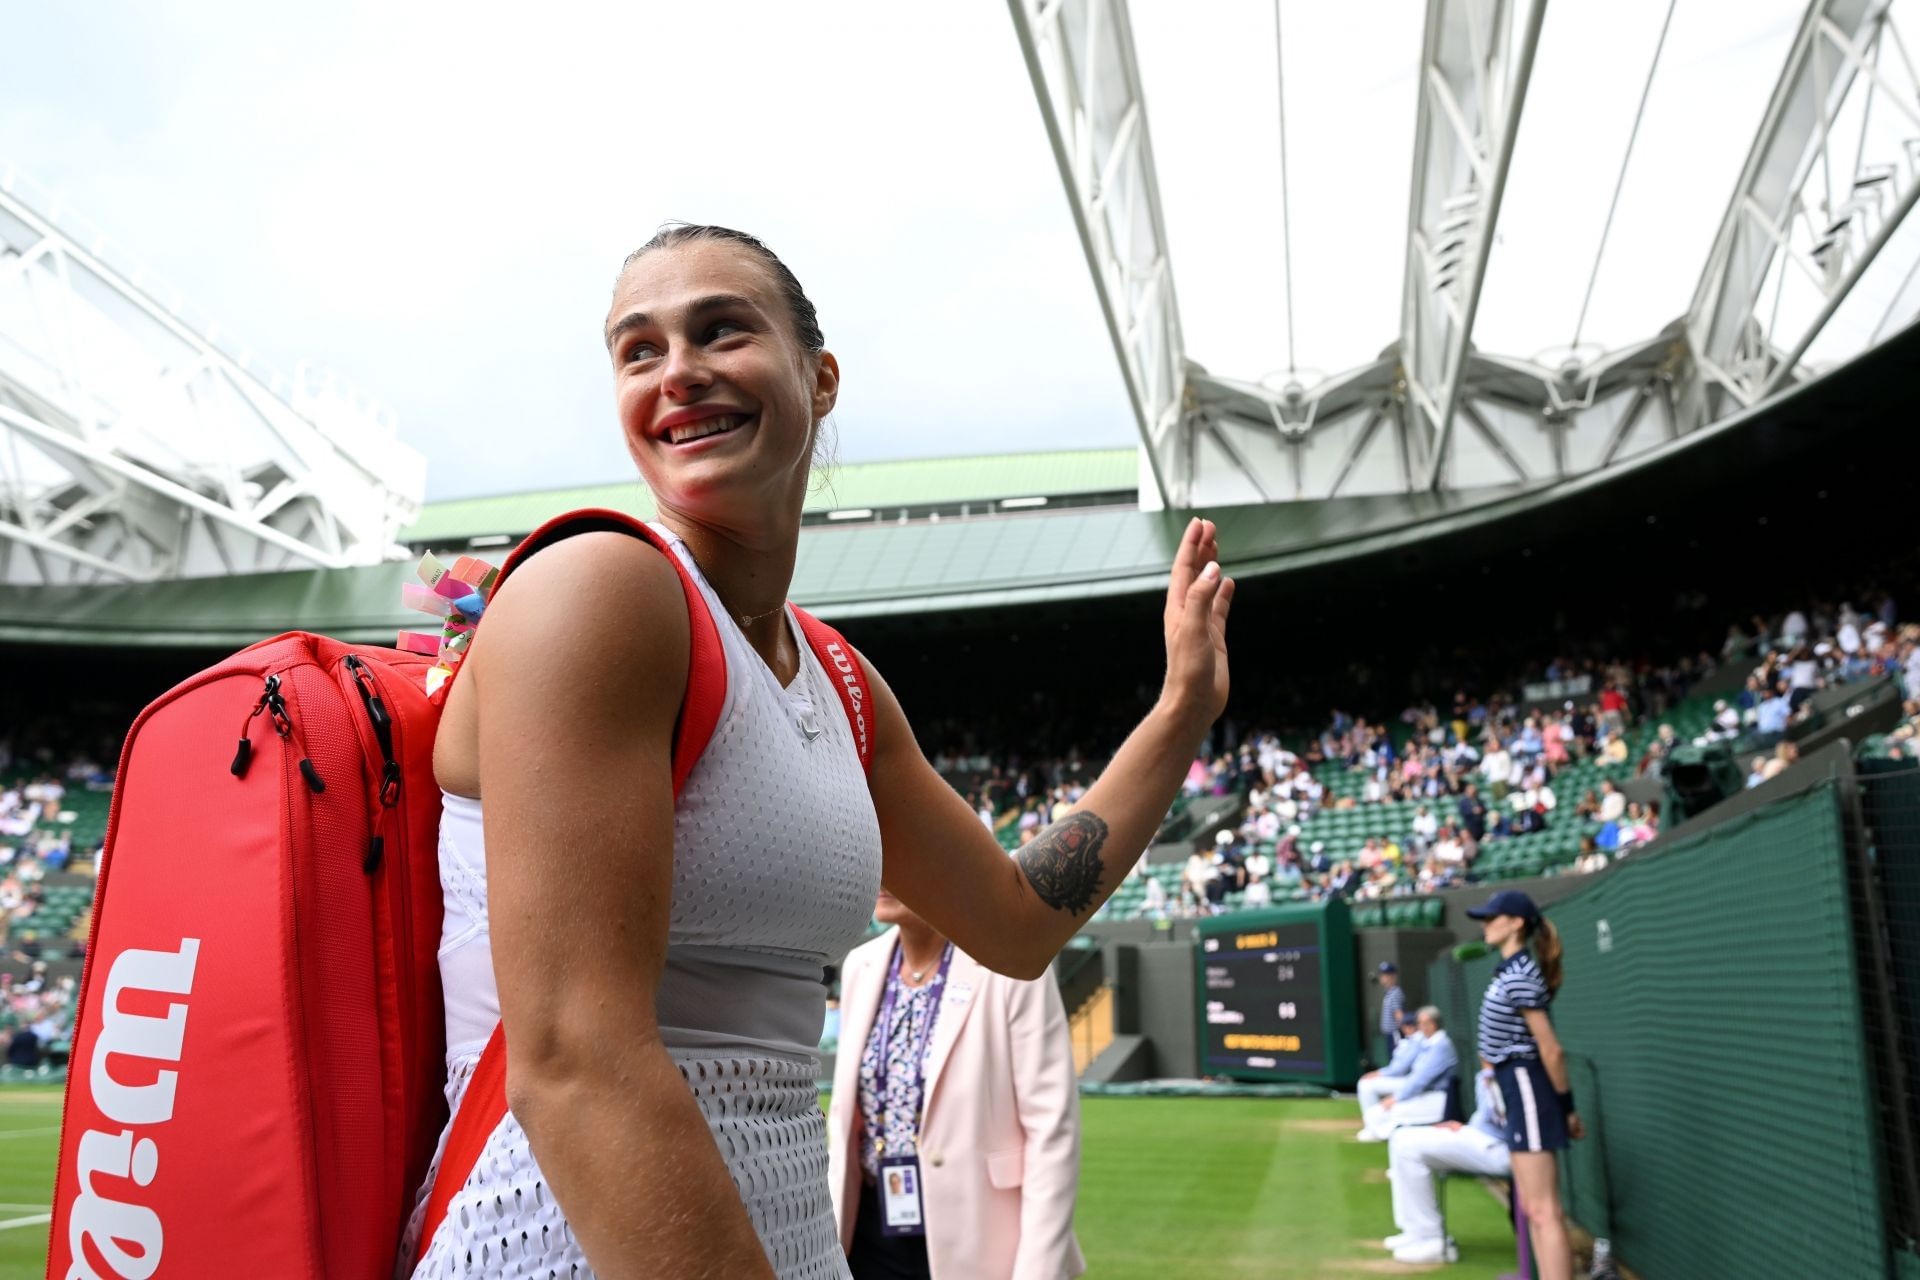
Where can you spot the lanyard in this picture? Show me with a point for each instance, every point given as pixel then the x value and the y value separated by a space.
pixel 937 989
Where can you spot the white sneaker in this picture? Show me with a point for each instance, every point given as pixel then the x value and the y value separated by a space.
pixel 1368 1135
pixel 1432 1249
pixel 1397 1239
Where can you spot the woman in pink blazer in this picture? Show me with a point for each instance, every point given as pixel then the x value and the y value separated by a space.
pixel 986 1063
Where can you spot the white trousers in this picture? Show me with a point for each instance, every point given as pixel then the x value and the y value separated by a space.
pixel 1417 1155
pixel 1424 1108
pixel 1374 1088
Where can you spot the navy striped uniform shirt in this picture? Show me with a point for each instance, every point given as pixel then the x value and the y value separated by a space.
pixel 1516 985
pixel 1390 1006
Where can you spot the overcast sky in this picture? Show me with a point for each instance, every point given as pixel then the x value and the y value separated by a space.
pixel 432 201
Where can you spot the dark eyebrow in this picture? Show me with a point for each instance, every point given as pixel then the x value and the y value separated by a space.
pixel 712 302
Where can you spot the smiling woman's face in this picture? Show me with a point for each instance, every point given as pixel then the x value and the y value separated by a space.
pixel 717 398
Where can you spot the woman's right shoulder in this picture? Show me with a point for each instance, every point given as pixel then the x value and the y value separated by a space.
pixel 600 582
pixel 594 602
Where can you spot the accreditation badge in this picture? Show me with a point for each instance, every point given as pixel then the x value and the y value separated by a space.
pixel 900 1213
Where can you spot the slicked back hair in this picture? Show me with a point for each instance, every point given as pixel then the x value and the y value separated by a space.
pixel 806 321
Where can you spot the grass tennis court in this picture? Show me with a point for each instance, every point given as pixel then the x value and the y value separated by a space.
pixel 1222 1188
pixel 29 1140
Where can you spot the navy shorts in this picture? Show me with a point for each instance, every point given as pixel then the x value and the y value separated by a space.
pixel 1535 1121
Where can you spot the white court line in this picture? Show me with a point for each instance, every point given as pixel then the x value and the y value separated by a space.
pixel 28 1133
pixel 37 1220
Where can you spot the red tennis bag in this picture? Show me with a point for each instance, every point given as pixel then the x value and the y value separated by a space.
pixel 256 1082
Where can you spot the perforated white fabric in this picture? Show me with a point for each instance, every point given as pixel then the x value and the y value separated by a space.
pixel 776 864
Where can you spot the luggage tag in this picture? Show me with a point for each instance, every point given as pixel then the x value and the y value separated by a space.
pixel 900 1210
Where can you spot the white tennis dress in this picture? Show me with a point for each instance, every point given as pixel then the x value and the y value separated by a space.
pixel 776 862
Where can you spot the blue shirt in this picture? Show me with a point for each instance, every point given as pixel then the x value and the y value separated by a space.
pixel 1772 715
pixel 1434 1063
pixel 1517 985
pixel 1390 1006
pixel 1403 1055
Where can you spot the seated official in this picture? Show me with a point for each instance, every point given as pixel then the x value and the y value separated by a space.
pixel 953 1135
pixel 1416 1156
pixel 1386 1082
pixel 1422 1095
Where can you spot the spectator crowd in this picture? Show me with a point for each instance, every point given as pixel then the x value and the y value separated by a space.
pixel 1479 771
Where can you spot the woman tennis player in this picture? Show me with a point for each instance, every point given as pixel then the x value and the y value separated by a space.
pixel 1518 1042
pixel 657 963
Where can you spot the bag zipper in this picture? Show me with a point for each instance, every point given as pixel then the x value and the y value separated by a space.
pixel 274 703
pixel 366 682
pixel 382 721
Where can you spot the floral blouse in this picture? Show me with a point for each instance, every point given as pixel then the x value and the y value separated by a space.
pixel 890 1091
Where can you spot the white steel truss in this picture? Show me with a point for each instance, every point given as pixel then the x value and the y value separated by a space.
pixel 1827 184
pixel 1473 76
pixel 1833 173
pixel 132 448
pixel 1080 55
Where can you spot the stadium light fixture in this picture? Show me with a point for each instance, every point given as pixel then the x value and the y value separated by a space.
pixel 1011 504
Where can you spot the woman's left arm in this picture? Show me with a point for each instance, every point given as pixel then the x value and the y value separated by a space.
pixel 1014 914
pixel 1553 1056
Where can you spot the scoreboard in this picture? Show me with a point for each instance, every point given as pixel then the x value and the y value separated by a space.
pixel 1277 997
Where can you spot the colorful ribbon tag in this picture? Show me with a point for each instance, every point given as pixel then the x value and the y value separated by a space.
pixel 431 570
pixel 425 599
pixel 457 596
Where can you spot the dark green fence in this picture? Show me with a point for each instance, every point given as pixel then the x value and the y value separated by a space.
pixel 1713 1019
pixel 1890 816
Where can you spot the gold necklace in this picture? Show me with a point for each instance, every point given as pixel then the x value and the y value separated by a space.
pixel 747 620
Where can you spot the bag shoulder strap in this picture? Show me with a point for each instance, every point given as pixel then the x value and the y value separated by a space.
pixel 485 1100
pixel 849 678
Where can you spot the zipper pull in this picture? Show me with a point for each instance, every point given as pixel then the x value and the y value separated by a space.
pixel 243 755
pixel 376 709
pixel 389 796
pixel 382 722
pixel 276 706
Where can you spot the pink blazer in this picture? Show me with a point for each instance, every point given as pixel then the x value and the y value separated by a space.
pixel 1000 1152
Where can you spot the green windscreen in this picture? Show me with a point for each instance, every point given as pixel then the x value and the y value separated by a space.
pixel 1712 1021
pixel 1713 990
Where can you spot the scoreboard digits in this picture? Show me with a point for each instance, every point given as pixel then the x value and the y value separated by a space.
pixel 1265 984
pixel 1263 1006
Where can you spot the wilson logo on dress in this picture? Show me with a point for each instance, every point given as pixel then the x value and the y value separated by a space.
pixel 856 694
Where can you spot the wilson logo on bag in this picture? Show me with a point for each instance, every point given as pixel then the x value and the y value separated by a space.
pixel 128 1043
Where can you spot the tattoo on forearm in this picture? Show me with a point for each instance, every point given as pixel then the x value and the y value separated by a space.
pixel 1063 864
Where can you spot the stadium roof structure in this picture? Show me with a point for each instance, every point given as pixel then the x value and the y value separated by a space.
pixel 1530 263
pixel 852 571
pixel 1509 245
pixel 920 487
pixel 1819 432
pixel 134 448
